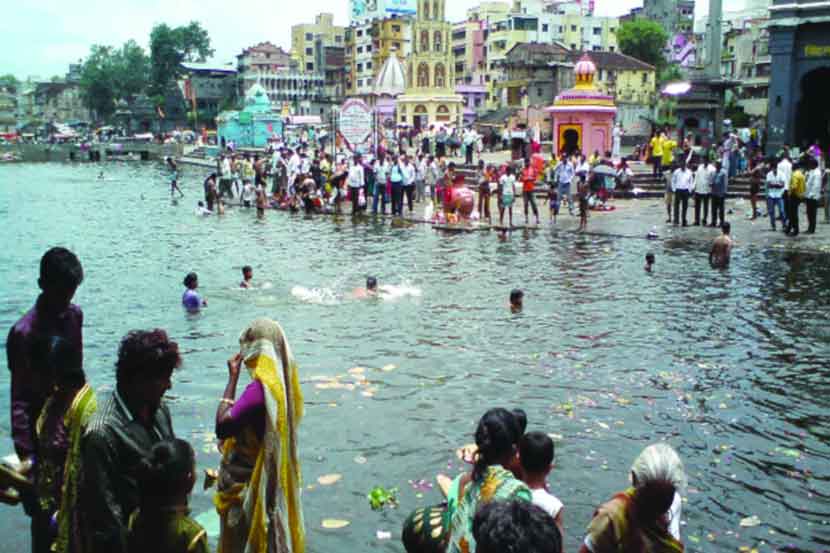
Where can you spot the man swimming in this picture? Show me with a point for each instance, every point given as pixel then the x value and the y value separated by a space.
pixel 516 300
pixel 247 277
pixel 721 248
pixel 370 291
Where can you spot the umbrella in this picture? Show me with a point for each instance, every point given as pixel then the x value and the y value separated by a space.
pixel 604 170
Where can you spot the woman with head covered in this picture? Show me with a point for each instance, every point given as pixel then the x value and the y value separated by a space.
pixel 258 498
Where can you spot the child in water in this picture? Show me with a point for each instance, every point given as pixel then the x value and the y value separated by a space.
pixel 247 276
pixel 516 300
pixel 191 300
pixel 554 202
pixel 536 454
pixel 162 522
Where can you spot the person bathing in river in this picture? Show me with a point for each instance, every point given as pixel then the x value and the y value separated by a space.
pixel 649 263
pixel 191 300
pixel 370 291
pixel 173 169
pixel 721 251
pixel 516 300
pixel 247 277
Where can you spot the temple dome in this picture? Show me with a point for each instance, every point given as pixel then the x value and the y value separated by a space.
pixel 584 72
pixel 257 95
pixel 391 80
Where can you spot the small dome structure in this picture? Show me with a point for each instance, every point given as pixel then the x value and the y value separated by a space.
pixel 585 70
pixel 391 80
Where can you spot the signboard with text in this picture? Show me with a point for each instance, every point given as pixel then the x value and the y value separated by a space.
pixel 355 123
pixel 401 7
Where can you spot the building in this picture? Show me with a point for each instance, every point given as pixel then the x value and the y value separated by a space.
pixel 369 44
pixel 308 39
pixel 362 11
pixel 333 61
pixel 8 112
pixel 473 96
pixel 746 59
pixel 430 95
pixel 535 74
pixel 259 59
pixel 60 102
pixel 208 89
pixel 799 44
pixel 626 79
pixel 676 16
pixel 468 51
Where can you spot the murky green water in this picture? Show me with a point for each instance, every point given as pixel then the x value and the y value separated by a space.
pixel 730 367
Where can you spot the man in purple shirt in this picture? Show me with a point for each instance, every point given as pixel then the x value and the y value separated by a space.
pixel 53 315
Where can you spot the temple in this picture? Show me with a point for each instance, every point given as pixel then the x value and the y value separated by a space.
pixel 583 117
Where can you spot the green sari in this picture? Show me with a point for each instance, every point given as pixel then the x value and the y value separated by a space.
pixel 449 527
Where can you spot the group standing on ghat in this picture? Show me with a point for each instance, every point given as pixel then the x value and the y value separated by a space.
pixel 109 474
pixel 304 176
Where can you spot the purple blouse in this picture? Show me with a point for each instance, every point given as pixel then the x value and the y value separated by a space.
pixel 248 410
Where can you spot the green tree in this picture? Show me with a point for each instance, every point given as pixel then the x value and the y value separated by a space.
pixel 643 39
pixel 172 46
pixel 668 74
pixel 9 82
pixel 98 84
pixel 131 70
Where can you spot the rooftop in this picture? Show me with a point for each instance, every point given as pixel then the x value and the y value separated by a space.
pixel 613 60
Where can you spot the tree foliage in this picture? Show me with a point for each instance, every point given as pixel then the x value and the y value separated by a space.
pixel 172 46
pixel 110 74
pixel 669 73
pixel 643 39
pixel 9 82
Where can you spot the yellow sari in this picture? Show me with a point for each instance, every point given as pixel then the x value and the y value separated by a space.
pixel 261 512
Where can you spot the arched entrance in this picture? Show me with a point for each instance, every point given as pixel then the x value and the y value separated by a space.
pixel 442 114
pixel 813 110
pixel 421 119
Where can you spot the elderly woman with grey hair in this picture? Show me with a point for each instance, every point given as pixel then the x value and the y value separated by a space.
pixel 646 516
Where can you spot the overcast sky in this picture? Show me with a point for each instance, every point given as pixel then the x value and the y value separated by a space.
pixel 41 37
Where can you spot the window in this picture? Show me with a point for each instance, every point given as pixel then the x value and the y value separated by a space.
pixel 573 46
pixel 309 51
pixel 538 92
pixel 396 46
pixel 396 28
pixel 597 31
pixel 360 32
pixel 561 29
pixel 437 41
pixel 544 27
pixel 611 48
pixel 478 102
pixel 359 67
pixel 309 67
pixel 309 36
pixel 360 82
pixel 338 39
pixel 596 48
pixel 368 65
pixel 440 75
pixel 573 28
pixel 360 49
pixel 368 48
pixel 645 77
pixel 423 75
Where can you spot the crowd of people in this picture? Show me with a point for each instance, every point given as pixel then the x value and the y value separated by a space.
pixel 109 475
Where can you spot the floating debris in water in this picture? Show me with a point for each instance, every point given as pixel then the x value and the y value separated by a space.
pixel 334 523
pixel 749 522
pixel 380 497
pixel 329 479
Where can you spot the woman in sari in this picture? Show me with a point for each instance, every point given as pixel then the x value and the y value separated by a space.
pixel 449 527
pixel 645 518
pixel 60 426
pixel 258 497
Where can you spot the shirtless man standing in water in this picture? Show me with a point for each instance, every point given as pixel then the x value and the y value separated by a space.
pixel 721 248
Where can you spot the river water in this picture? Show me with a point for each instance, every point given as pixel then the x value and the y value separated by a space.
pixel 729 367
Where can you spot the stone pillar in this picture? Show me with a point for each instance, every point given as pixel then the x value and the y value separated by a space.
pixel 715 38
pixel 783 88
